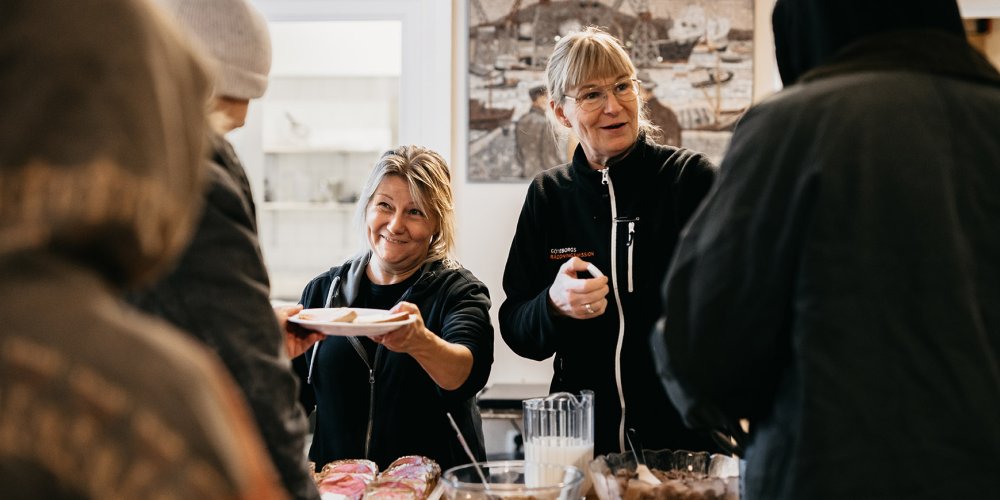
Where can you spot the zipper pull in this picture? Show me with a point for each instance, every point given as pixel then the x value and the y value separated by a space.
pixel 312 362
pixel 631 232
pixel 604 176
pixel 371 376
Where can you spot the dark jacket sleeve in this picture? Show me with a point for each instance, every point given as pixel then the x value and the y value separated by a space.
pixel 467 323
pixel 219 293
pixel 526 323
pixel 726 319
pixel 695 178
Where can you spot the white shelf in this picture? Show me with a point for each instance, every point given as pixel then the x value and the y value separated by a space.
pixel 307 206
pixel 274 150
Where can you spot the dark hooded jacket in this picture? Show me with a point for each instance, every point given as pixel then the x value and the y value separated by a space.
pixel 218 292
pixel 840 288
pixel 382 405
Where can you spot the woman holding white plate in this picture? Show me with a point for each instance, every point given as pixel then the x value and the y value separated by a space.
pixel 387 396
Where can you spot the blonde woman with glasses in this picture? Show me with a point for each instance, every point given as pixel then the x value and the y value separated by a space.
pixel 593 243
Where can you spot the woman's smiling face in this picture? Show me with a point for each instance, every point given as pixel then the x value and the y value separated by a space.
pixel 399 232
pixel 604 132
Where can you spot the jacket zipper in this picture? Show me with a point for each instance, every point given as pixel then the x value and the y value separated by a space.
pixel 371 374
pixel 606 180
pixel 330 297
pixel 371 386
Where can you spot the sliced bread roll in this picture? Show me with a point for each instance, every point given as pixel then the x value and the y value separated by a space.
pixel 339 315
pixel 381 318
pixel 344 315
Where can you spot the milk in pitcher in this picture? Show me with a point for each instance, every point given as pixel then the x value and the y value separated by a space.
pixel 558 430
pixel 554 450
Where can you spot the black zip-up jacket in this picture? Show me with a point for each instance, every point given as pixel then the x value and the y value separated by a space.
pixel 406 408
pixel 643 200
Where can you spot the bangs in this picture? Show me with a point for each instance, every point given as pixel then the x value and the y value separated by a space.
pixel 596 58
pixel 421 192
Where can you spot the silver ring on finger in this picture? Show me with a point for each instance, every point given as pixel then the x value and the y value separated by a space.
pixel 590 310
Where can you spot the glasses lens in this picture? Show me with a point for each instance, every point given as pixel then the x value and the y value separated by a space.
pixel 626 91
pixel 591 100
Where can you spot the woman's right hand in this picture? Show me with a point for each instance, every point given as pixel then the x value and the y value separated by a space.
pixel 577 297
pixel 298 339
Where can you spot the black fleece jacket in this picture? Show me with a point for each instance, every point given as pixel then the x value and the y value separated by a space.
pixel 406 408
pixel 634 220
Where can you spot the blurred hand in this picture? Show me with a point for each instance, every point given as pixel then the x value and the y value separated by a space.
pixel 298 339
pixel 577 297
pixel 406 338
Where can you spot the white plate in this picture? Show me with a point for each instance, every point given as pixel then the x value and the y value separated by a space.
pixel 318 321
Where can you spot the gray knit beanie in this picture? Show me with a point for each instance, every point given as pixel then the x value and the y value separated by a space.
pixel 235 34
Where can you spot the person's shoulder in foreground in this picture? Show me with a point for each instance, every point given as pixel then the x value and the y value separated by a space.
pixel 98 401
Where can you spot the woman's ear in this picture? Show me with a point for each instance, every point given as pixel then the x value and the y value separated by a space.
pixel 558 111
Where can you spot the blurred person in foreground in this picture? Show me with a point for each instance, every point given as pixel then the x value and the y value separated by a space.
pixel 840 288
pixel 385 397
pixel 101 134
pixel 620 205
pixel 219 291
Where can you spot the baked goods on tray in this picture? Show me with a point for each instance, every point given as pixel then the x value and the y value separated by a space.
pixel 409 477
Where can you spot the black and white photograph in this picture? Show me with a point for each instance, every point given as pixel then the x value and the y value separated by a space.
pixel 694 61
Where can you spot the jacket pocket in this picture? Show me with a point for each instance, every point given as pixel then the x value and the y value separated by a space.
pixel 629 226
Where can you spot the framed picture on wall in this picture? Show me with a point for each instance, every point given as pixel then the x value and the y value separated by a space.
pixel 694 57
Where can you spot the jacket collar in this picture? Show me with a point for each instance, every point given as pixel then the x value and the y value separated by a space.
pixel 626 164
pixel 352 272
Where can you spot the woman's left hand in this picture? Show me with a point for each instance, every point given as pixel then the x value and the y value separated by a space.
pixel 407 338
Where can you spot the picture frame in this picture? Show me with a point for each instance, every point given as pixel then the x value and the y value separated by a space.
pixel 694 61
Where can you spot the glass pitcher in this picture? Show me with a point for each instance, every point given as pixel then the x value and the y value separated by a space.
pixel 558 429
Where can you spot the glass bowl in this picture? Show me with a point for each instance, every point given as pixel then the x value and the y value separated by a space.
pixel 513 479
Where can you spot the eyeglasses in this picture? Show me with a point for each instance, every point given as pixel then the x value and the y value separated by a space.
pixel 595 98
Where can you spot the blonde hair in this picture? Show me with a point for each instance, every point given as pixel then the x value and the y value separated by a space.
pixel 586 55
pixel 427 175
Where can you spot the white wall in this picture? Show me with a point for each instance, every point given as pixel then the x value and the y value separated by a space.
pixel 487 215
pixel 425 92
pixel 311 48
